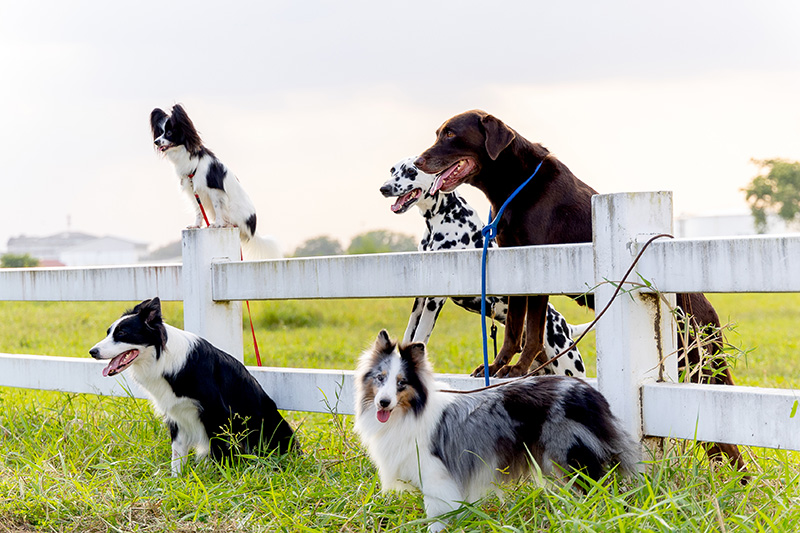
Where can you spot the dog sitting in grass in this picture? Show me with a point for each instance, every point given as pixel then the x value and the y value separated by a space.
pixel 455 446
pixel 209 400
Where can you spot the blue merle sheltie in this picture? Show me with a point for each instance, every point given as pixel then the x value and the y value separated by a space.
pixel 223 198
pixel 209 400
pixel 454 447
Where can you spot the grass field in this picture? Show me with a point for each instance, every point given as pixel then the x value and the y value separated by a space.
pixel 86 463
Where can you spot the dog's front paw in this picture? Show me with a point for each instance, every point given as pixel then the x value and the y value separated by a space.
pixel 480 371
pixel 511 371
pixel 192 226
pixel 436 527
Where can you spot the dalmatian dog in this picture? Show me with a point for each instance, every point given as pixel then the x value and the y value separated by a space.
pixel 452 224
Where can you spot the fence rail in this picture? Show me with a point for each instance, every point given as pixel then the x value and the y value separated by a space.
pixel 635 341
pixel 125 283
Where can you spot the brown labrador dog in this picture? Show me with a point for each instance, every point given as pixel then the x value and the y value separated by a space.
pixel 554 208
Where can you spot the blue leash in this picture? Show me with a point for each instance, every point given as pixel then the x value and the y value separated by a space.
pixel 489 232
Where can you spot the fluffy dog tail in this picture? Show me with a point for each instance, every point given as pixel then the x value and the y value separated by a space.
pixel 625 450
pixel 258 248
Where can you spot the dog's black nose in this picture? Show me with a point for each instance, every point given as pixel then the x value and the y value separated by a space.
pixel 384 403
pixel 386 190
pixel 94 352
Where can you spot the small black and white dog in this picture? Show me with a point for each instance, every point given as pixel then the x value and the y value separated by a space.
pixel 453 447
pixel 452 224
pixel 209 400
pixel 224 199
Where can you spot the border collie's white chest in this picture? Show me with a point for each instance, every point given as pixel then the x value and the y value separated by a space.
pixel 181 412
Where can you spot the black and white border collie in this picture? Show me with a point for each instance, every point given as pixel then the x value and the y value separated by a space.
pixel 454 447
pixel 209 400
pixel 224 199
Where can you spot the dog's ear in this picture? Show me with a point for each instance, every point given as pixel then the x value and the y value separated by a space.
pixel 182 122
pixel 414 353
pixel 498 135
pixel 383 344
pixel 149 312
pixel 157 116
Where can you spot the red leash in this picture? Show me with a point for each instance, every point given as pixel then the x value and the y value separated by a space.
pixel 241 257
pixel 197 197
pixel 250 316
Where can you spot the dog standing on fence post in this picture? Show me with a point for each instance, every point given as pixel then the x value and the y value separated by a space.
pixel 214 190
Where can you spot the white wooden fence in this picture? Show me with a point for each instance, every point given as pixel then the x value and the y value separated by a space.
pixel 636 361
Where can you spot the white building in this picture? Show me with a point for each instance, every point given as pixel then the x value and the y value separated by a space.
pixel 78 249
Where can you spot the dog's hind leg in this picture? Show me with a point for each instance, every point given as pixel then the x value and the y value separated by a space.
pixel 423 318
pixel 221 205
pixel 512 341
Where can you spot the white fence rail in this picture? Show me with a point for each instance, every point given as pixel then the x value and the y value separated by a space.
pixel 635 341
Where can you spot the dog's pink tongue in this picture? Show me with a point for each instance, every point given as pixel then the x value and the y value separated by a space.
pixel 398 205
pixel 112 367
pixel 383 416
pixel 437 184
pixel 443 176
pixel 119 363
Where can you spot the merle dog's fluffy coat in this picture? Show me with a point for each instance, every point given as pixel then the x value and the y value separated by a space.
pixel 209 400
pixel 224 199
pixel 454 447
pixel 452 224
pixel 554 208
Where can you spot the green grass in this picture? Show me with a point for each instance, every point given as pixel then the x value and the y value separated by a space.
pixel 86 463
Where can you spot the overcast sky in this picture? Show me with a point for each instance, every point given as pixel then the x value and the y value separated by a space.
pixel 310 103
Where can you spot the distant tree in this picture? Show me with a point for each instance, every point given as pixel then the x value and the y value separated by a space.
pixel 380 241
pixel 317 246
pixel 168 251
pixel 18 261
pixel 775 190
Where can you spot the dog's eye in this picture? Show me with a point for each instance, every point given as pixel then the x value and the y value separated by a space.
pixel 401 384
pixel 449 134
pixel 380 378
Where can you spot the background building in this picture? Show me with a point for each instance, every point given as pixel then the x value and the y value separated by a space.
pixel 78 249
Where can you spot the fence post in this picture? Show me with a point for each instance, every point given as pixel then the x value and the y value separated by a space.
pixel 636 339
pixel 218 322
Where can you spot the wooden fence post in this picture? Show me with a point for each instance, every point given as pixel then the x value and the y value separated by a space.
pixel 218 322
pixel 636 339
